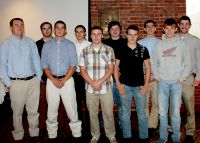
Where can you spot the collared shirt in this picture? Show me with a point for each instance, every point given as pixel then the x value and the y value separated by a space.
pixel 79 48
pixel 97 63
pixel 19 58
pixel 59 56
pixel 193 43
pixel 131 65
pixel 149 43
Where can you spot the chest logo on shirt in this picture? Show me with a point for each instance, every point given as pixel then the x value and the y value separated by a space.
pixel 169 52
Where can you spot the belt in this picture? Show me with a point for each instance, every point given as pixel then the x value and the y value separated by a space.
pixel 23 78
pixel 58 77
pixel 78 73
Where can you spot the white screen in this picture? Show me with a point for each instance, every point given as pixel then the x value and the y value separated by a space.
pixel 34 12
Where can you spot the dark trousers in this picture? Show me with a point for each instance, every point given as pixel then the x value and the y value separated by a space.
pixel 81 100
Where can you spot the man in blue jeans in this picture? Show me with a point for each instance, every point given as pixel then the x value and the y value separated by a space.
pixel 116 42
pixel 170 67
pixel 129 78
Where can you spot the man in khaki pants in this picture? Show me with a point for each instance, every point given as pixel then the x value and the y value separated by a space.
pixel 192 81
pixel 20 71
pixel 97 65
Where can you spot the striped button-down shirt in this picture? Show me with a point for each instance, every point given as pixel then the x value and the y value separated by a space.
pixel 96 63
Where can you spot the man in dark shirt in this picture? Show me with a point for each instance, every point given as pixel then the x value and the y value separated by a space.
pixel 116 42
pixel 131 83
pixel 46 29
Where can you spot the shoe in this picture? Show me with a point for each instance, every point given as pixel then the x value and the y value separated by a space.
pixel 52 140
pixel 113 140
pixel 144 140
pixel 170 136
pixel 161 141
pixel 127 140
pixel 34 140
pixel 94 140
pixel 189 139
pixel 77 140
pixel 19 141
pixel 152 132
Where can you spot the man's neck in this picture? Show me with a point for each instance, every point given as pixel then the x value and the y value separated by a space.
pixel 80 41
pixel 132 45
pixel 115 38
pixel 183 34
pixel 45 39
pixel 59 38
pixel 150 36
pixel 97 45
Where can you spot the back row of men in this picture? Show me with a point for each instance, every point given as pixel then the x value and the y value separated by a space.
pixel 173 75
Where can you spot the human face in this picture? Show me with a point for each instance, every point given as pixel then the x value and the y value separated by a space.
pixel 150 28
pixel 80 34
pixel 132 36
pixel 115 32
pixel 96 36
pixel 170 31
pixel 184 26
pixel 46 30
pixel 17 28
pixel 59 30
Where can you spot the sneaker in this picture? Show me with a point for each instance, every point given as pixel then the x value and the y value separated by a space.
pixel 94 140
pixel 144 140
pixel 152 132
pixel 189 139
pixel 161 141
pixel 113 140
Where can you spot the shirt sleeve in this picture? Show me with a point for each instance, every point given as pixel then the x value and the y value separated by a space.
pixel 3 64
pixel 111 56
pixel 197 52
pixel 146 53
pixel 44 56
pixel 186 62
pixel 82 60
pixel 36 60
pixel 73 60
pixel 154 60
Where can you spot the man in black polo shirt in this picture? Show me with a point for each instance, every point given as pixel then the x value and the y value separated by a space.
pixel 131 83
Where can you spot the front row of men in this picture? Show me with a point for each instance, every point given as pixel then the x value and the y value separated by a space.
pixel 174 62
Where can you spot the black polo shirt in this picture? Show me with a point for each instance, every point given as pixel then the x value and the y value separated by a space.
pixel 131 65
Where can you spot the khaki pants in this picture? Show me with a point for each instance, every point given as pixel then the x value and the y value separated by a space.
pixel 106 101
pixel 188 100
pixel 153 114
pixel 25 93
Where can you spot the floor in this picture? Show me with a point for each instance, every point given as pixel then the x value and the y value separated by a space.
pixel 64 134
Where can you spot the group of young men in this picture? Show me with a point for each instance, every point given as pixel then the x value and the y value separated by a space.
pixel 116 69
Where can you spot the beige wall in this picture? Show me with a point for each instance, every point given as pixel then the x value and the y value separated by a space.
pixel 34 12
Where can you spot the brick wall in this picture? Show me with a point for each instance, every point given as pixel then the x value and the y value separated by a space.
pixel 138 11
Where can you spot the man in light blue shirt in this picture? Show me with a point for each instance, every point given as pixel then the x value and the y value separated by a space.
pixel 21 72
pixel 150 42
pixel 59 61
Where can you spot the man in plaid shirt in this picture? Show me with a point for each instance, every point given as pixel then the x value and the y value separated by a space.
pixel 96 66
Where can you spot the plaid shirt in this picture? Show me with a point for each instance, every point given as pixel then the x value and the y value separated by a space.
pixel 96 63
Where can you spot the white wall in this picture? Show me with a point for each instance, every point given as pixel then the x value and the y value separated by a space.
pixel 193 11
pixel 34 12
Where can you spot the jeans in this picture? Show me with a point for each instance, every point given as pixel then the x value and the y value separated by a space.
pixel 140 102
pixel 168 91
pixel 116 98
